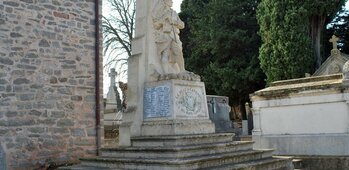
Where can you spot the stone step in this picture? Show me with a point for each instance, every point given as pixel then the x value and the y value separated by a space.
pixel 298 163
pixel 182 140
pixel 177 152
pixel 261 164
pixel 175 164
pixel 81 167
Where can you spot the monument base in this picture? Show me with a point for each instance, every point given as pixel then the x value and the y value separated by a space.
pixel 175 107
pixel 185 152
pixel 177 127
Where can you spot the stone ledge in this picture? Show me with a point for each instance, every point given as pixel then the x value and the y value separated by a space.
pixel 178 152
pixel 316 162
pixel 177 127
pixel 287 88
pixel 306 80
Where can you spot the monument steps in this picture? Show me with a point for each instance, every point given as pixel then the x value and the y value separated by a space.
pixel 177 152
pixel 187 163
pixel 262 164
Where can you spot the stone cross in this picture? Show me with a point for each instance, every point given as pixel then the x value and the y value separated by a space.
pixel 112 76
pixel 334 40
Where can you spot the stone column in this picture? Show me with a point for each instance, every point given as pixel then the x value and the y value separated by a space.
pixel 346 84
pixel 256 122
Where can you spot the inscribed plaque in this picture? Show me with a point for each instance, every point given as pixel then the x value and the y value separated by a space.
pixel 157 102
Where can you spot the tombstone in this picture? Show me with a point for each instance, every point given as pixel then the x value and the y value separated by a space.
pixel 2 159
pixel 113 98
pixel 163 98
pixel 334 63
pixel 218 110
pixel 111 112
pixel 249 118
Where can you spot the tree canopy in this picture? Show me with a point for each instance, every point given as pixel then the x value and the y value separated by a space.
pixel 221 44
pixel 291 34
pixel 339 26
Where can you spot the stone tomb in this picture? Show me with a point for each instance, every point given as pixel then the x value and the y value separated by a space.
pixel 307 116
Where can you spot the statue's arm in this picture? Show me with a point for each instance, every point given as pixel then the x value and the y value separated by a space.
pixel 179 23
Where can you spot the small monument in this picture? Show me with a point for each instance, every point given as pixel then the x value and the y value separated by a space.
pixel 112 114
pixel 334 63
pixel 218 108
pixel 166 123
pixel 113 96
pixel 163 98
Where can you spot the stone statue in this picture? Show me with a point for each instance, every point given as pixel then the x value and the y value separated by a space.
pixel 167 25
pixel 123 87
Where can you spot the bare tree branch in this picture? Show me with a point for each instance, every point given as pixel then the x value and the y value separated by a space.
pixel 118 28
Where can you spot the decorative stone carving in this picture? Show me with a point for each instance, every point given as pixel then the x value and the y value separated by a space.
pixel 156 75
pixel 175 107
pixel 346 74
pixel 189 101
pixel 123 87
pixel 334 63
pixel 167 24
pixel 334 40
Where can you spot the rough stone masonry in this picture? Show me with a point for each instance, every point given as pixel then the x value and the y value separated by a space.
pixel 47 81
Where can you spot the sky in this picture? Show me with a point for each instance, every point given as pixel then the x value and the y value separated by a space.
pixel 106 12
pixel 177 5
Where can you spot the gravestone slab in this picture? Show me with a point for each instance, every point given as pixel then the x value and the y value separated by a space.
pixel 219 109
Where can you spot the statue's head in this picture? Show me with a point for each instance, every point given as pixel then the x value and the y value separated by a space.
pixel 168 3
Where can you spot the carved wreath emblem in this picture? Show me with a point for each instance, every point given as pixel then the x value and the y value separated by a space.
pixel 189 101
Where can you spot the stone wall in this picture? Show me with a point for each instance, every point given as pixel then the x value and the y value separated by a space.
pixel 47 81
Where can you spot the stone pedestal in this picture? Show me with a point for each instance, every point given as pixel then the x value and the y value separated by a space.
pixel 175 107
